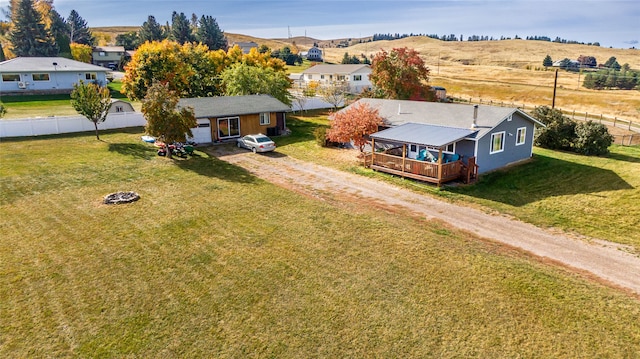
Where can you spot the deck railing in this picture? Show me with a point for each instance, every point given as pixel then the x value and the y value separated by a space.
pixel 427 171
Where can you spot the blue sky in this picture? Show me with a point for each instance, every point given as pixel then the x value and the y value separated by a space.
pixel 614 23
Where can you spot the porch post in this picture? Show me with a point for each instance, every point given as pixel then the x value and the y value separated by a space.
pixel 373 150
pixel 404 154
pixel 439 165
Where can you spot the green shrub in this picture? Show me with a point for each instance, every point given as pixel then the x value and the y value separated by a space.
pixel 560 131
pixel 592 138
pixel 320 133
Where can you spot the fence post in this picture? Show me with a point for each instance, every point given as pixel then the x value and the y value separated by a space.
pixel 629 125
pixel 585 116
pixel 574 114
pixel 630 140
pixel 614 122
pixel 615 119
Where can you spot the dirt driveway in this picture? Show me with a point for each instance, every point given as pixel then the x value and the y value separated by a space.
pixel 603 261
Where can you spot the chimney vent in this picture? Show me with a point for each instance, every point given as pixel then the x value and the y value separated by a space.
pixel 475 116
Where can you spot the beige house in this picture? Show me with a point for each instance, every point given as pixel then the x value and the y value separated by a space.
pixel 109 56
pixel 354 76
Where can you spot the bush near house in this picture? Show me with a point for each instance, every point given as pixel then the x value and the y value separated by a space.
pixel 562 133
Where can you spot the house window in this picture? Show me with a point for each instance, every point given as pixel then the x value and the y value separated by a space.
pixel 357 77
pixel 497 142
pixel 102 53
pixel 412 148
pixel 340 77
pixel 265 118
pixel 309 77
pixel 450 148
pixel 321 77
pixel 521 136
pixel 228 127
pixel 10 77
pixel 119 109
pixel 40 77
pixel 90 76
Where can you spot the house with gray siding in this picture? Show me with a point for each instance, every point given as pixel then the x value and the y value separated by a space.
pixel 459 136
pixel 41 75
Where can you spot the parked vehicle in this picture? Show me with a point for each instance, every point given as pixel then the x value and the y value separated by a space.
pixel 257 143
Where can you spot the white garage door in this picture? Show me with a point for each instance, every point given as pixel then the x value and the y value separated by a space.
pixel 202 133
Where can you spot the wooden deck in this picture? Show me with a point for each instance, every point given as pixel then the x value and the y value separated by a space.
pixel 420 170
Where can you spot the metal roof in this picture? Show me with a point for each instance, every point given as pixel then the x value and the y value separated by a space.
pixel 47 64
pixel 336 69
pixel 449 115
pixel 221 106
pixel 422 134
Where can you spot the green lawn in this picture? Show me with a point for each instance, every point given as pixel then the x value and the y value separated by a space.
pixel 593 196
pixel 214 262
pixel 29 106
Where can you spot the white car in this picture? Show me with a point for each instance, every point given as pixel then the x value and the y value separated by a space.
pixel 257 143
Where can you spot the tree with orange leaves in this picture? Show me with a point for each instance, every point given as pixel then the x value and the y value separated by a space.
pixel 354 123
pixel 401 75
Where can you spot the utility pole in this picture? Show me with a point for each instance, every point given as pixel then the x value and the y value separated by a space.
pixel 555 84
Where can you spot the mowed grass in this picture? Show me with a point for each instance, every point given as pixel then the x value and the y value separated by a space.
pixel 30 106
pixel 214 262
pixel 589 195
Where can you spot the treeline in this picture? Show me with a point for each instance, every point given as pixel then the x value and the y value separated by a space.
pixel 203 29
pixel 453 37
pixel 561 41
pixel 347 59
pixel 623 79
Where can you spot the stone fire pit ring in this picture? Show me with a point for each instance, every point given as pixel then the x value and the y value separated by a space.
pixel 121 198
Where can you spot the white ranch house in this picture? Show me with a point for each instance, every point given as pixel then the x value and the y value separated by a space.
pixel 40 75
pixel 355 77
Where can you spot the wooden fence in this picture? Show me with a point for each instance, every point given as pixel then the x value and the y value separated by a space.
pixel 573 114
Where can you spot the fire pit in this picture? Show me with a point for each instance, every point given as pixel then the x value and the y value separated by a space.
pixel 121 197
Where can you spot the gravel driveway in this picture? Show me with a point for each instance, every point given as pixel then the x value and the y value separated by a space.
pixel 604 261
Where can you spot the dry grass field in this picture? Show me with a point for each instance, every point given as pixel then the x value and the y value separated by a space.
pixel 511 71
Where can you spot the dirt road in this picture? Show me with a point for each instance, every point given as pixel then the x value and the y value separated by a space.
pixel 601 260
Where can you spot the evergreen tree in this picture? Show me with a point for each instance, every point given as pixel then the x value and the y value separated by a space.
pixel 79 32
pixel 151 30
pixel 129 40
pixel 60 32
pixel 209 33
pixel 181 28
pixel 346 58
pixel 547 61
pixel 29 36
pixel 2 57
pixel 612 63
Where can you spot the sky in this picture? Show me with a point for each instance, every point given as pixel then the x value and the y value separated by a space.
pixel 612 23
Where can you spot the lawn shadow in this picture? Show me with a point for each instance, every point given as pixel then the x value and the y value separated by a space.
pixel 207 165
pixel 622 157
pixel 541 178
pixel 137 150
